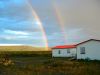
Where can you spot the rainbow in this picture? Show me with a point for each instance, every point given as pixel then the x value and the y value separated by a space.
pixel 60 20
pixel 35 15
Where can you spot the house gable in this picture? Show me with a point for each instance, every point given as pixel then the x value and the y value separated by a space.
pixel 87 41
pixel 89 49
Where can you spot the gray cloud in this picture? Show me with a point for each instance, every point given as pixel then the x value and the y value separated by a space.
pixel 80 18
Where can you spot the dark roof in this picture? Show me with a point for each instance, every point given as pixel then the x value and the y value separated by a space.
pixel 88 41
pixel 64 47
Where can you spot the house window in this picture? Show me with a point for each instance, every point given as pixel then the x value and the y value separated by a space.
pixel 59 52
pixel 68 50
pixel 82 50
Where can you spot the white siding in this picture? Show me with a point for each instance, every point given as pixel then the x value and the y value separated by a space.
pixel 63 52
pixel 92 50
pixel 73 52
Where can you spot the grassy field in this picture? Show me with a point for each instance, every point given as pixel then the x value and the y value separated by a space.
pixel 23 48
pixel 41 63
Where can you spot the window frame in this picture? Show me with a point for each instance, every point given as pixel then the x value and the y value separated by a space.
pixel 82 50
pixel 68 51
pixel 59 52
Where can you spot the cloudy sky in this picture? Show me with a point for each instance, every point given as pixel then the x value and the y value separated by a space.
pixel 49 22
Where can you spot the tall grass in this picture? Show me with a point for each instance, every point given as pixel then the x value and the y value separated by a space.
pixel 41 63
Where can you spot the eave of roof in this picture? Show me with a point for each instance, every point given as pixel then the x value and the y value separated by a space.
pixel 64 47
pixel 73 46
pixel 87 41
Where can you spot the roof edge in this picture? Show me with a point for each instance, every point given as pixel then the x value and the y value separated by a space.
pixel 87 41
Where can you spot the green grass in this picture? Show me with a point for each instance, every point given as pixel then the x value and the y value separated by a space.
pixel 41 63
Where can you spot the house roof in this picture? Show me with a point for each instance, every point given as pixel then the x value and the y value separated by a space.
pixel 87 41
pixel 64 47
pixel 72 46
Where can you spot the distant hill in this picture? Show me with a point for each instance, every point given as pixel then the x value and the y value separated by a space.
pixel 23 48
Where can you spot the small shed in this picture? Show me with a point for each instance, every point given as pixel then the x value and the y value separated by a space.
pixel 89 49
pixel 64 51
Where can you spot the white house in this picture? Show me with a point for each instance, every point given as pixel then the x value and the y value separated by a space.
pixel 64 51
pixel 89 49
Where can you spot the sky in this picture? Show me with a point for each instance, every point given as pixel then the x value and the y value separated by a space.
pixel 48 22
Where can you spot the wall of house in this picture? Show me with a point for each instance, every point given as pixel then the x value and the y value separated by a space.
pixel 92 50
pixel 73 52
pixel 63 52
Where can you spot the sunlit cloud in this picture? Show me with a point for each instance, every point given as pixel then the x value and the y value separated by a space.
pixel 16 32
pixel 11 44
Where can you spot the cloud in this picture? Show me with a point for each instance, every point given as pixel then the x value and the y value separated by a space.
pixel 21 37
pixel 8 34
pixel 15 32
pixel 11 44
pixel 81 21
pixel 12 24
pixel 16 37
